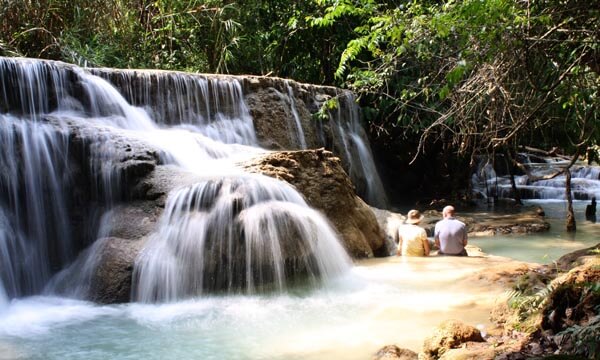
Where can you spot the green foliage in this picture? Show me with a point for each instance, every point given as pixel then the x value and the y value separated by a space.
pixel 529 304
pixel 476 76
pixel 326 108
pixel 254 37
pixel 466 76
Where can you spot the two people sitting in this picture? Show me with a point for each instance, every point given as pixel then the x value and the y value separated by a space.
pixel 450 235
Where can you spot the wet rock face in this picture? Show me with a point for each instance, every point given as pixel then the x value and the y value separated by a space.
pixel 115 161
pixel 111 282
pixel 274 122
pixel 318 175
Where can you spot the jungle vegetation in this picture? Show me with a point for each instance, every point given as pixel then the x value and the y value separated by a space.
pixel 439 81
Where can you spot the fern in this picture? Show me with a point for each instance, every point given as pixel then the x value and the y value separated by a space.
pixel 527 305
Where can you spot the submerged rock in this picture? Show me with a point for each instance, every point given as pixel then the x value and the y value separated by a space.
pixel 319 176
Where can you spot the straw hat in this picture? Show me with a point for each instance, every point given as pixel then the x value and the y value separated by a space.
pixel 413 217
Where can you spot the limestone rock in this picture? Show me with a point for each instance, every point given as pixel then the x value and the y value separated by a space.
pixel 448 335
pixel 528 220
pixel 114 158
pixel 390 222
pixel 393 352
pixel 111 282
pixel 318 175
pixel 469 354
pixel 133 220
pixel 274 121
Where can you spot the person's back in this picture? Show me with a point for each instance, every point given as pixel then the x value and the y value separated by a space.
pixel 451 234
pixel 412 239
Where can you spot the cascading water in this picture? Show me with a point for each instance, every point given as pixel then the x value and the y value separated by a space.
pixel 235 234
pixel 214 108
pixel 35 235
pixel 350 135
pixel 230 232
pixel 585 181
pixel 297 123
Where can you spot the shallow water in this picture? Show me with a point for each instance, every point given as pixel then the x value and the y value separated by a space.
pixel 380 302
pixel 548 246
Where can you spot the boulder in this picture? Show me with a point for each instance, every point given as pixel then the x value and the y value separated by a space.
pixel 108 151
pixel 111 282
pixel 130 224
pixel 393 352
pixel 448 335
pixel 319 176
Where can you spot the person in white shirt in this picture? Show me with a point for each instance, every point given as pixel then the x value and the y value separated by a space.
pixel 451 234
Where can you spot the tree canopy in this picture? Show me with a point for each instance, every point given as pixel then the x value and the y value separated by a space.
pixel 460 77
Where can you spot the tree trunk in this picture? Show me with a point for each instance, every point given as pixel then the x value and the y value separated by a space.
pixel 571 226
pixel 508 159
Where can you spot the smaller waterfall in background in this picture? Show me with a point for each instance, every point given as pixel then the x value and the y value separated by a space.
pixel 585 180
pixel 298 124
pixel 236 235
pixel 348 132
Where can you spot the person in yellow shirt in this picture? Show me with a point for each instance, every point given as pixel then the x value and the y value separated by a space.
pixel 412 239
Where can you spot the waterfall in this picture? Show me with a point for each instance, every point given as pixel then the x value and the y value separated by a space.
pixel 36 234
pixel 585 180
pixel 355 148
pixel 230 231
pixel 31 87
pixel 298 125
pixel 214 108
pixel 235 234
